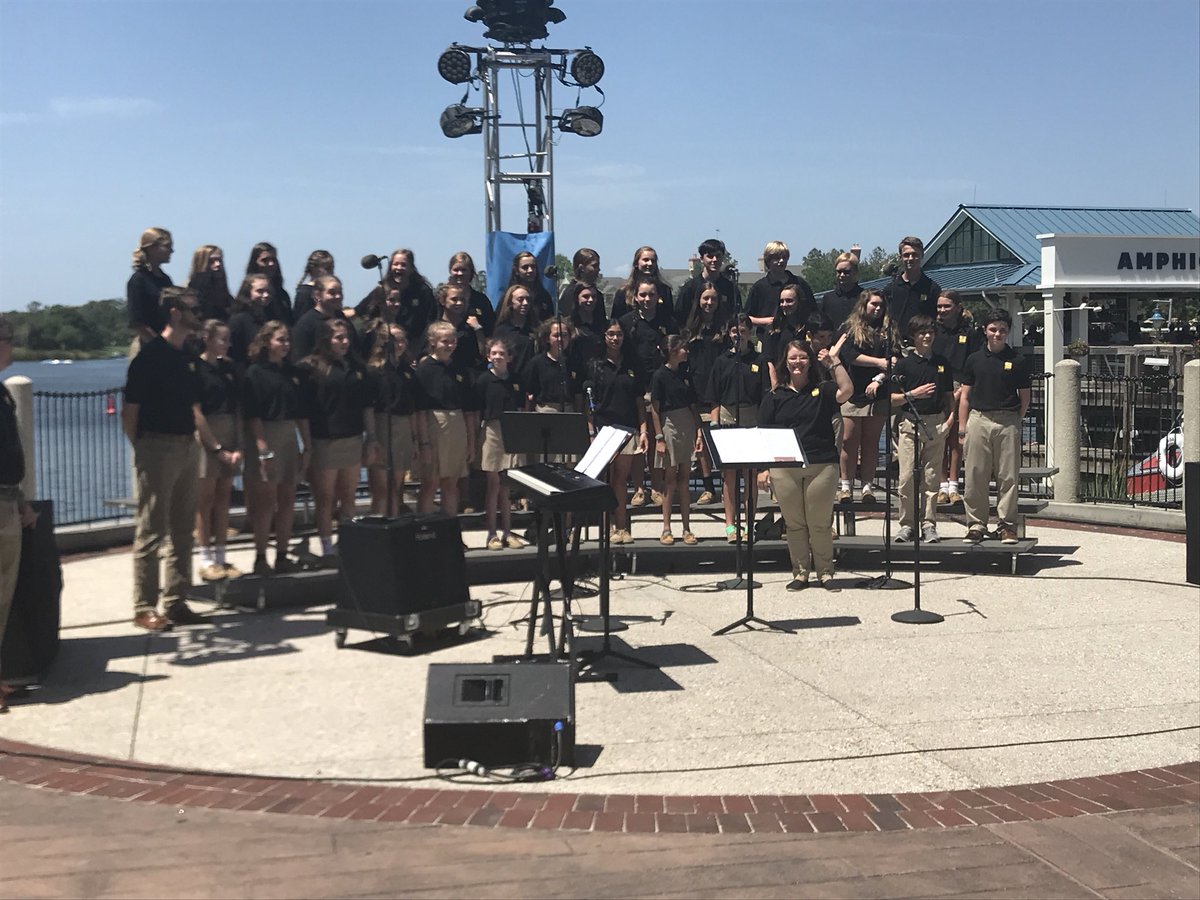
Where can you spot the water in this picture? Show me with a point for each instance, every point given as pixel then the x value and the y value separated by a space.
pixel 81 457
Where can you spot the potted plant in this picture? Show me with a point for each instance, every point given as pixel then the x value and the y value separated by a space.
pixel 1076 349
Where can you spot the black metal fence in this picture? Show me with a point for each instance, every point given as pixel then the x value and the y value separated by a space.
pixel 83 458
pixel 1033 430
pixel 1127 452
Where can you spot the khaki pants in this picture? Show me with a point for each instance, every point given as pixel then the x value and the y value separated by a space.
pixel 931 462
pixel 10 557
pixel 993 446
pixel 806 502
pixel 166 467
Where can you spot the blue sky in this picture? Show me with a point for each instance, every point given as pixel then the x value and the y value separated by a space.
pixel 314 123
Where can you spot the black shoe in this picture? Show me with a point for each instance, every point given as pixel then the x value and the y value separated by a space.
pixel 181 614
pixel 827 583
pixel 797 584
pixel 284 566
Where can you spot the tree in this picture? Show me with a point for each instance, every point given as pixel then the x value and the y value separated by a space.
pixel 817 269
pixel 871 266
pixel 564 267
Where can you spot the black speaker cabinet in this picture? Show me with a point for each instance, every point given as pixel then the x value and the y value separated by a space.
pixel 409 564
pixel 500 714
pixel 32 636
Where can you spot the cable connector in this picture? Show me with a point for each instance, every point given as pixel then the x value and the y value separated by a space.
pixel 469 765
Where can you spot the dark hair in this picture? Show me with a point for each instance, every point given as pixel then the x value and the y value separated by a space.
pixel 721 314
pixel 781 363
pixel 570 300
pixel 915 242
pixel 242 300
pixel 818 321
pixel 582 257
pixel 173 297
pixel 952 295
pixel 257 351
pixel 780 318
pixel 321 359
pixel 712 247
pixel 275 276
pixel 919 323
pixel 992 315
pixel 543 332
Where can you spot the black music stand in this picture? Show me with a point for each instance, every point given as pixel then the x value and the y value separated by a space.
pixel 547 433
pixel 753 448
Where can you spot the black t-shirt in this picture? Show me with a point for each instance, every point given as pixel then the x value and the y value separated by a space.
pixel 738 380
pixel 690 291
pixel 444 385
pixel 995 379
pixel 305 300
pixel 914 370
pixel 141 299
pixel 12 454
pixel 588 343
pixel 213 291
pixel 810 412
pixel 552 383
pixel 218 385
pixel 956 344
pixel 499 395
pixel 334 401
pixel 907 300
pixel 617 391
pixel 280 305
pixel 162 381
pixel 644 340
pixel 243 327
pixel 671 390
pixel 763 298
pixel 271 392
pixel 394 389
pixel 838 304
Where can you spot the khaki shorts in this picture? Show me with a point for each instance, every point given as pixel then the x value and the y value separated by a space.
pixel 494 458
pixel 224 432
pixel 401 443
pixel 743 416
pixel 679 438
pixel 281 440
pixel 337 453
pixel 448 437
pixel 852 410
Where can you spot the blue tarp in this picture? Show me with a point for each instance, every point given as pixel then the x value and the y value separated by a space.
pixel 502 246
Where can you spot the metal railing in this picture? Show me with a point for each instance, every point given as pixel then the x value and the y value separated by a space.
pixel 1125 419
pixel 1033 428
pixel 82 456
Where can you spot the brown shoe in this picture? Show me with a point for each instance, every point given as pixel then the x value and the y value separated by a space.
pixel 705 497
pixel 638 498
pixel 151 621
pixel 667 539
pixel 954 497
pixel 943 497
pixel 690 539
pixel 1007 534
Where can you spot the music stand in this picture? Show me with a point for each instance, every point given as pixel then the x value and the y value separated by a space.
pixel 916 615
pixel 545 433
pixel 753 448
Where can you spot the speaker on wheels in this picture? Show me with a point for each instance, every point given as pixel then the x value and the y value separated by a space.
pixel 500 714
pixel 394 567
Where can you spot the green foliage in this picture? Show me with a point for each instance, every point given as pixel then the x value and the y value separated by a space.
pixel 564 267
pixel 817 267
pixel 97 328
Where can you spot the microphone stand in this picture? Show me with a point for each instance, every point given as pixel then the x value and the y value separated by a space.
pixel 916 615
pixel 391 508
pixel 886 581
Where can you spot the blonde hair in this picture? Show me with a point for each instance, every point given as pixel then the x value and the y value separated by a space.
pixel 435 331
pixel 201 258
pixel 777 248
pixel 149 238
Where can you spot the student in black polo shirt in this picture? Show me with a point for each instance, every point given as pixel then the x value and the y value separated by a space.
pixel 957 338
pixel 517 322
pixel 145 285
pixel 839 303
pixel 451 428
pixel 706 327
pixel 588 324
pixel 320 262
pixel 220 393
pixel 736 387
pixel 274 462
pixel 645 262
pixel 249 316
pixel 207 279
pixel 499 392
pixel 337 400
pixel 585 267
pixel 525 273
pixel 676 433
pixel 417 306
pixel 921 383
pixel 644 342
pixel 549 376
pixel 712 256
pixel 479 307
pixel 912 292
pixel 807 403
pixel 395 392
pixel 787 325
pixel 762 301
pixel 994 399
pixel 327 299
pixel 264 260
pixel 161 418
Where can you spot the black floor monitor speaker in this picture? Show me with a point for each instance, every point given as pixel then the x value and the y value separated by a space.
pixel 32 636
pixel 500 714
pixel 398 566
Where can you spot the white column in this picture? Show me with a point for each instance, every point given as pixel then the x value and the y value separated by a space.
pixel 1052 350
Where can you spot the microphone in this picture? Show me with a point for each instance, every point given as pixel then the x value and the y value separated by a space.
pixel 371 261
pixel 591 399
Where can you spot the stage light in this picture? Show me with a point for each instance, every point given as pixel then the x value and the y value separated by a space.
pixel 458 120
pixel 455 65
pixel 587 68
pixel 585 121
pixel 515 21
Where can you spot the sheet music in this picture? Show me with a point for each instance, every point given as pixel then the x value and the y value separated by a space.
pixel 608 444
pixel 757 446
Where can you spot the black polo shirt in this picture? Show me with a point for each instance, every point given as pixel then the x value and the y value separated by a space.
pixel 394 389
pixel 671 390
pixel 907 300
pixel 838 304
pixel 763 298
pixel 218 385
pixel 774 341
pixel 479 306
pixel 690 291
pixel 861 376
pixel 703 351
pixel 141 299
pixel 12 454
pixel 566 304
pixel 418 307
pixel 304 332
pixel 738 380
pixel 995 379
pixel 244 325
pixel 520 345
pixel 914 370
pixel 664 310
pixel 280 305
pixel 551 383
pixel 162 381
pixel 588 343
pixel 645 341
pixel 617 391
pixel 956 344
pixel 271 392
pixel 334 401
pixel 810 412
pixel 499 395
pixel 444 385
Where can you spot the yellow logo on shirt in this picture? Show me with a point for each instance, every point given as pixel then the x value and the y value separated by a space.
pixel 458 378
pixel 1007 366
pixel 941 369
pixel 962 338
pixel 754 367
pixel 816 392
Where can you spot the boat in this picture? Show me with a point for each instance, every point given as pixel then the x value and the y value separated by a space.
pixel 1162 470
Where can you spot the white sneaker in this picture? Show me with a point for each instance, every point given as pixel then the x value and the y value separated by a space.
pixel 905 535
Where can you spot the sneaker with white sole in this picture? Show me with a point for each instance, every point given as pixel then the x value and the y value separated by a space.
pixel 905 535
pixel 929 534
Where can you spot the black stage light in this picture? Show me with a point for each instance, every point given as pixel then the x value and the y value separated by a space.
pixel 455 65
pixel 587 68
pixel 515 21
pixel 459 120
pixel 585 121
